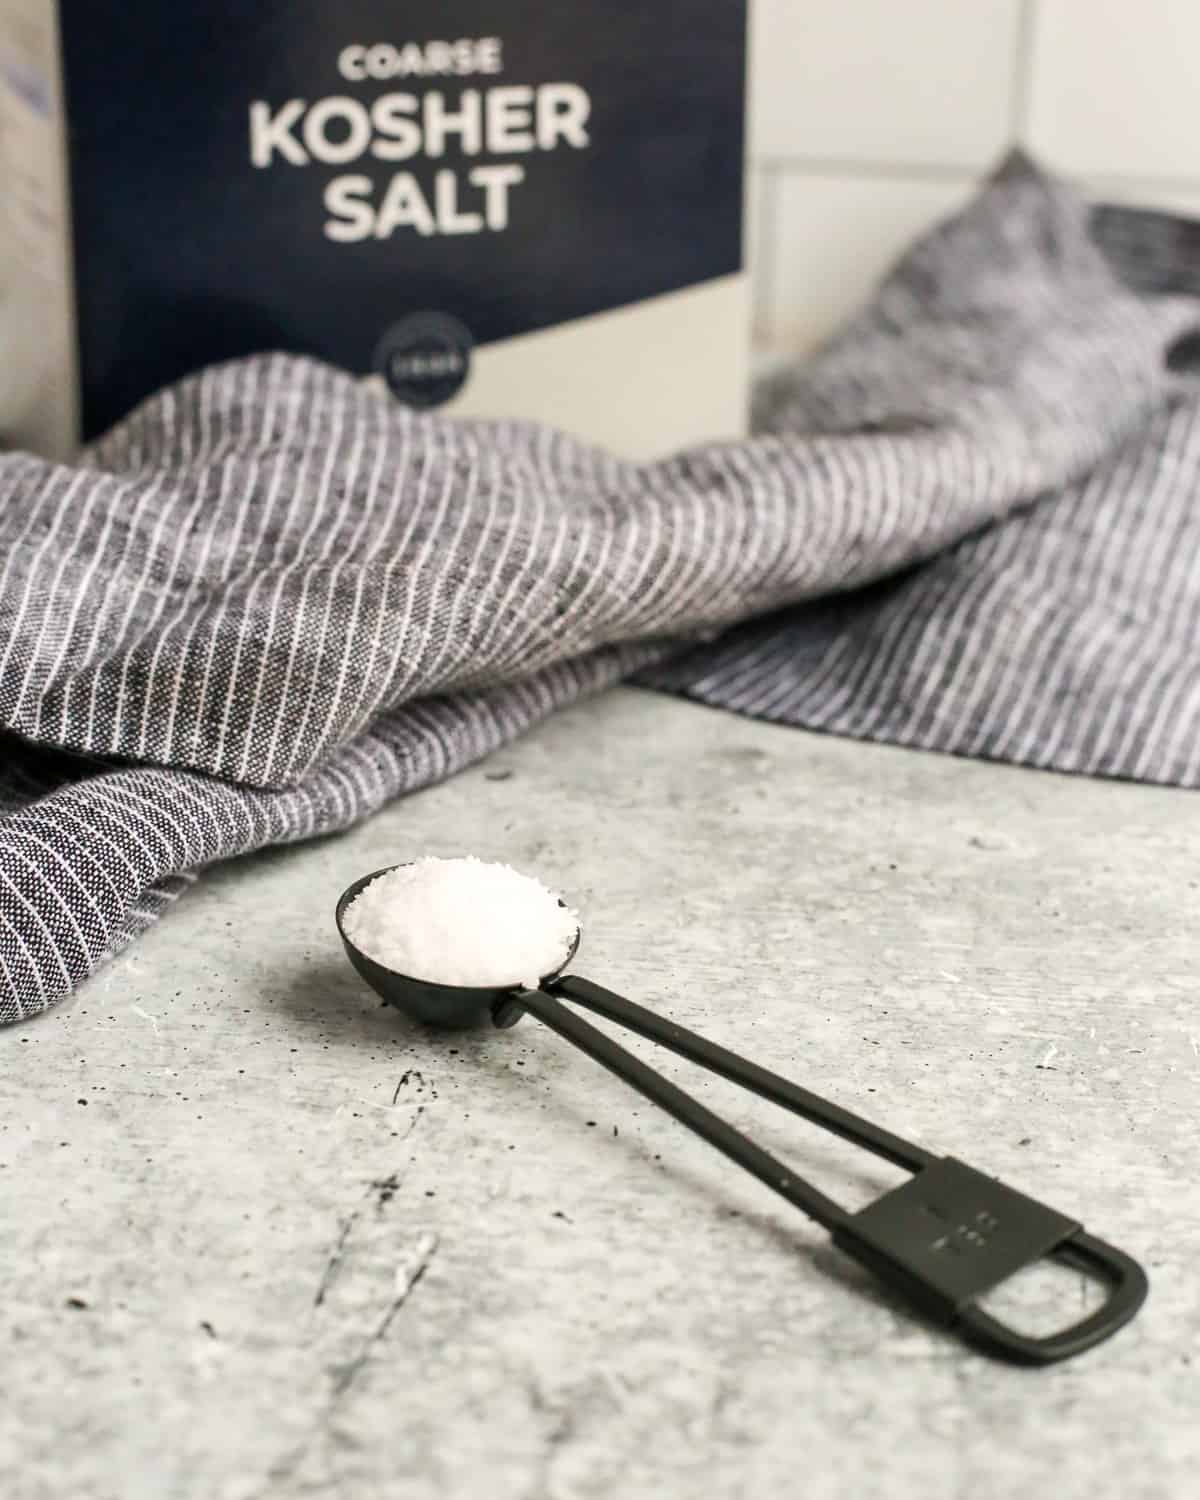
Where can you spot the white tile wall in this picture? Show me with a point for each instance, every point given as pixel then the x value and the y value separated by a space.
pixel 871 119
pixel 879 80
pixel 1115 86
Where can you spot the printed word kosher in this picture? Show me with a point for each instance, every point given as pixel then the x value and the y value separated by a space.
pixel 502 121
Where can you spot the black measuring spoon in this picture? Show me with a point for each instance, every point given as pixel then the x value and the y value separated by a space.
pixel 941 1240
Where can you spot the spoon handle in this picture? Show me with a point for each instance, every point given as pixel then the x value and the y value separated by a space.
pixel 741 1070
pixel 682 1107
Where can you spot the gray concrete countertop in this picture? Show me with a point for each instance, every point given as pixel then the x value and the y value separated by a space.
pixel 263 1237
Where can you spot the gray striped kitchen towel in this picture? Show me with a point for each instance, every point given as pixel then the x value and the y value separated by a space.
pixel 271 599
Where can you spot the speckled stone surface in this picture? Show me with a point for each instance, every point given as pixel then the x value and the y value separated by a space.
pixel 263 1238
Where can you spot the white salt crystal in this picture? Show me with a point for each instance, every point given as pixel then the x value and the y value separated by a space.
pixel 461 921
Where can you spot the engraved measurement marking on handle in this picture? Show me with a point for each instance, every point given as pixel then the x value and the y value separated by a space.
pixel 961 1237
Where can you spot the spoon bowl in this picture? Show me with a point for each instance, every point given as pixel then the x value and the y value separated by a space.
pixel 449 1005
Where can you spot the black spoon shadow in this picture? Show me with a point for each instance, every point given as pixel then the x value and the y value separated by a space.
pixel 328 999
pixel 709 1198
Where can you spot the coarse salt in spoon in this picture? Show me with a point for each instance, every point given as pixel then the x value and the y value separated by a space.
pixel 462 922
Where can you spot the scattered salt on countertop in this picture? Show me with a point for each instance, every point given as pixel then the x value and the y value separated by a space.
pixel 461 921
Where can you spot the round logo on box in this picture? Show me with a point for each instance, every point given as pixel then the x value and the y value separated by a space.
pixel 425 358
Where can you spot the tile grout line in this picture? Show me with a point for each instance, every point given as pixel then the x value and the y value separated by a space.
pixel 766 256
pixel 777 166
pixel 1140 180
pixel 833 166
pixel 1024 62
